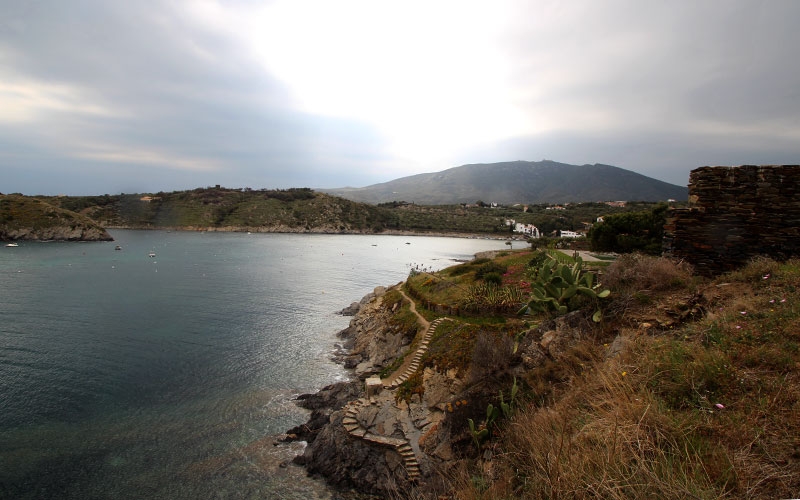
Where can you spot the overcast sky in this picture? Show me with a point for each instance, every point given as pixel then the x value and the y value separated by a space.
pixel 108 96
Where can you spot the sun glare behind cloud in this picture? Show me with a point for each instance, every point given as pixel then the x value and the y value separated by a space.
pixel 430 77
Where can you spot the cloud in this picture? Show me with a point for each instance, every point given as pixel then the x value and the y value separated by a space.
pixel 147 95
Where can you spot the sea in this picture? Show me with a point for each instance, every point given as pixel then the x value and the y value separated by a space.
pixel 167 368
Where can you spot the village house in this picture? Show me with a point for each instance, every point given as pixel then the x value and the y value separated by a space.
pixel 527 229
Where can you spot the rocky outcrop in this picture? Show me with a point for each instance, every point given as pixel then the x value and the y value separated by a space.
pixel 380 443
pixel 552 339
pixel 23 218
pixel 354 307
pixel 375 342
pixel 372 443
pixel 80 232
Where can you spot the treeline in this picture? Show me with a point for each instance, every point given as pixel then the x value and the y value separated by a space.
pixel 641 231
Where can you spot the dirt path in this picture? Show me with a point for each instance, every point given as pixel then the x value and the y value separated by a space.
pixel 586 256
pixel 413 307
pixel 389 381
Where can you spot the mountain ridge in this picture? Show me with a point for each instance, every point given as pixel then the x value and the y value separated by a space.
pixel 517 182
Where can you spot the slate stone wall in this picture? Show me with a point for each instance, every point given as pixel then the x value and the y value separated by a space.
pixel 735 214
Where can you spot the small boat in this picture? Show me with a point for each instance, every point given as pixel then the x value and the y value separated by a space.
pixel 11 245
pixel 151 254
pixel 117 247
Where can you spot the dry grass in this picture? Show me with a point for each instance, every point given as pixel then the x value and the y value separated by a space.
pixel 637 272
pixel 708 410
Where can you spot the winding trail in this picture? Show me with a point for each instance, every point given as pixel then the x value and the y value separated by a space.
pixel 411 363
pixel 352 421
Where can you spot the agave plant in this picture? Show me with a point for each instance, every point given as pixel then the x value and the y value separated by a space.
pixel 557 283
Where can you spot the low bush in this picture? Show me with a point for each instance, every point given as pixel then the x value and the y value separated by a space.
pixel 637 272
pixel 489 268
pixel 493 278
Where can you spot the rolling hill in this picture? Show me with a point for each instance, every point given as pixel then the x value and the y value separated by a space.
pixel 517 182
pixel 25 218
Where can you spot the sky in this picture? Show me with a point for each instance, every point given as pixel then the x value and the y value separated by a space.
pixel 106 96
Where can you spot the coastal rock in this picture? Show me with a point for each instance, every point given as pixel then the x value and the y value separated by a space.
pixel 351 310
pixel 25 218
pixel 56 233
pixel 322 405
pixel 346 462
pixel 385 443
pixel 376 341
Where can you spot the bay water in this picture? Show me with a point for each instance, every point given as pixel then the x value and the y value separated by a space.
pixel 125 375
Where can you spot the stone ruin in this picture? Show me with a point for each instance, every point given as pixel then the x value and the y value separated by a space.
pixel 735 214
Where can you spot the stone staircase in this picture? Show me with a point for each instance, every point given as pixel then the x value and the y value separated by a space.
pixel 398 378
pixel 351 421
pixel 353 426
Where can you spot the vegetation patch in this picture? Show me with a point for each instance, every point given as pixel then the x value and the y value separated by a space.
pixel 705 409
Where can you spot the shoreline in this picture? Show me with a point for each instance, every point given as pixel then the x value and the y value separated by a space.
pixel 287 230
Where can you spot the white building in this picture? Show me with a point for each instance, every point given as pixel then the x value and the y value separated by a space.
pixel 569 234
pixel 527 229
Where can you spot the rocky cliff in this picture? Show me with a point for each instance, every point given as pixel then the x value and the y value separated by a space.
pixel 23 218
pixel 375 435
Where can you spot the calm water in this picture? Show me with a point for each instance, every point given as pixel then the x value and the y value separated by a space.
pixel 129 376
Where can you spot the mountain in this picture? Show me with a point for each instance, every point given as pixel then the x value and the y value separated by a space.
pixel 24 218
pixel 517 182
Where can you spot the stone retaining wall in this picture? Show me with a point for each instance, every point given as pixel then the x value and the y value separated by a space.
pixel 735 214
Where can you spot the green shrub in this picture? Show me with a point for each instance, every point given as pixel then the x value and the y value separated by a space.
pixel 630 232
pixel 490 267
pixel 493 278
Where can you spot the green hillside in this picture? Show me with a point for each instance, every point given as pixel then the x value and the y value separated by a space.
pixel 298 209
pixel 686 388
pixel 24 218
pixel 304 210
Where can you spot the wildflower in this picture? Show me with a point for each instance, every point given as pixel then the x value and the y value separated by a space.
pixel 783 300
pixel 743 313
pixel 719 406
pixel 772 301
pixel 624 373
pixel 738 327
pixel 766 277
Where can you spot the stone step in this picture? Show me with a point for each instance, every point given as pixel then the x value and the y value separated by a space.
pixel 349 420
pixel 360 432
pixel 350 428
